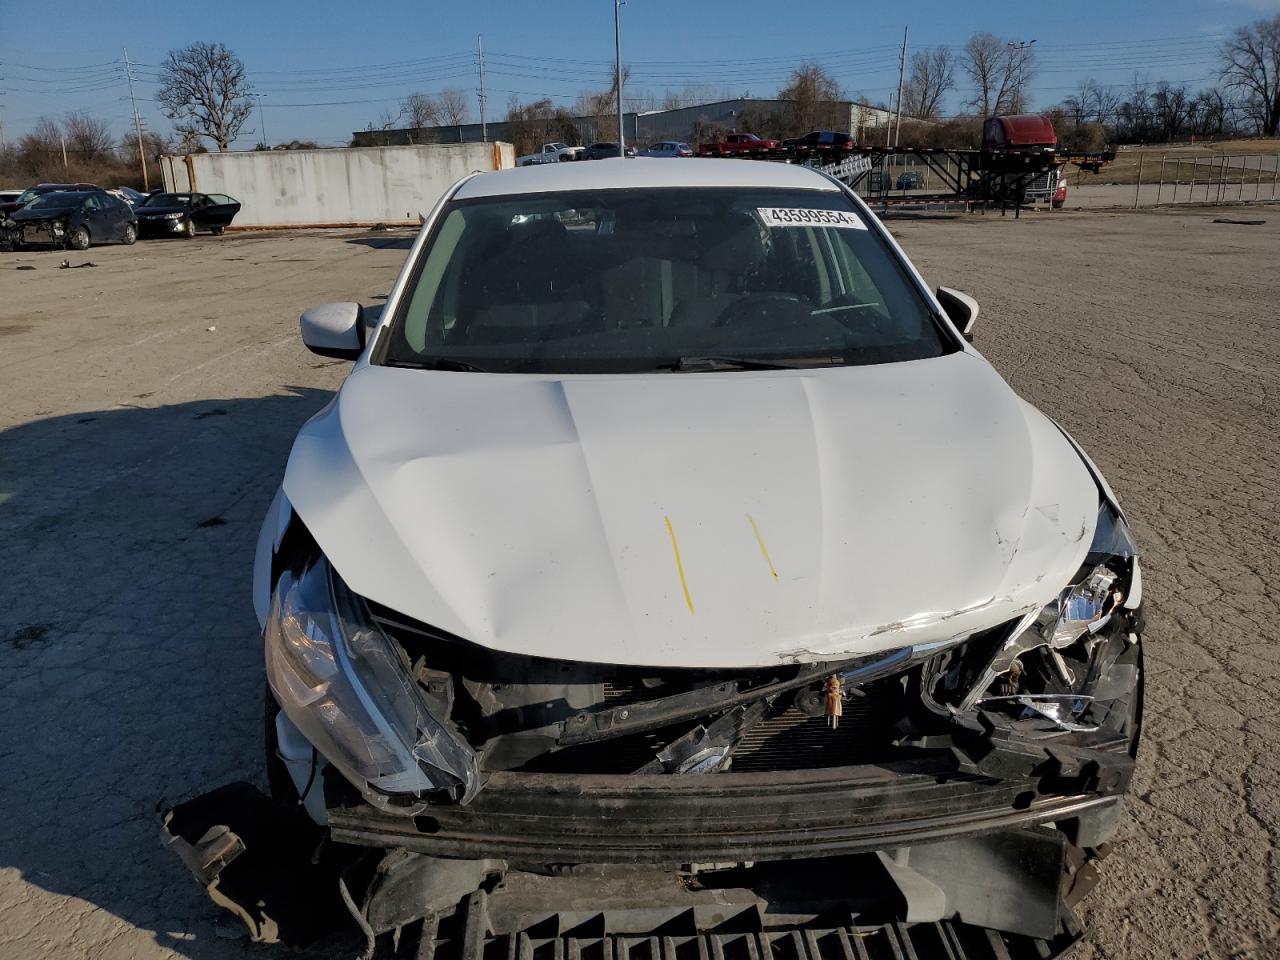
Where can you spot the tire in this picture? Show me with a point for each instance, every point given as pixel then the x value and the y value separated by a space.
pixel 217 231
pixel 189 229
pixel 79 239
pixel 130 234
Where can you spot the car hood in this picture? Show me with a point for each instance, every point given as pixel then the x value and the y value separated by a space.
pixel 27 215
pixel 726 519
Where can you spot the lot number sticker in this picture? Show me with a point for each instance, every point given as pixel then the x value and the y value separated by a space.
pixel 804 217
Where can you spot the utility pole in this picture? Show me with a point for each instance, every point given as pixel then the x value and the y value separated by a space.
pixel 262 120
pixel 137 122
pixel 902 67
pixel 617 51
pixel 484 122
pixel 1018 106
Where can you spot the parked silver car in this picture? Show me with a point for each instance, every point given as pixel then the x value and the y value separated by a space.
pixel 668 148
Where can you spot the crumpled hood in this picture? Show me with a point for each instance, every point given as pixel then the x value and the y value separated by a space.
pixel 715 519
pixel 27 215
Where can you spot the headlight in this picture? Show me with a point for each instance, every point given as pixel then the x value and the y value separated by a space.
pixel 345 687
pixel 1082 609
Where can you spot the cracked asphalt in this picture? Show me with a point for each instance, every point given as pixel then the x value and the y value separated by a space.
pixel 139 449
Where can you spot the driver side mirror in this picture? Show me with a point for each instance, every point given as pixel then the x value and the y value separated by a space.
pixel 961 309
pixel 334 330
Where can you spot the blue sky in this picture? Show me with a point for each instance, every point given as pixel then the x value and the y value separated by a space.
pixel 328 67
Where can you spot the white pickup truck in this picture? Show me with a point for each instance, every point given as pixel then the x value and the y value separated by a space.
pixel 550 153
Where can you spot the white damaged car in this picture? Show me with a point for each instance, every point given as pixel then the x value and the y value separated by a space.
pixel 667 519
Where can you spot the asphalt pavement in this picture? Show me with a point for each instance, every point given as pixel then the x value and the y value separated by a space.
pixel 147 405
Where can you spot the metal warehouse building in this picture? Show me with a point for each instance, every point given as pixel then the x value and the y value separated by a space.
pixel 641 127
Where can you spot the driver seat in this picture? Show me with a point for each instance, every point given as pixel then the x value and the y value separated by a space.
pixel 724 265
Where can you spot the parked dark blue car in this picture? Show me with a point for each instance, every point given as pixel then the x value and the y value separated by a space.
pixel 74 218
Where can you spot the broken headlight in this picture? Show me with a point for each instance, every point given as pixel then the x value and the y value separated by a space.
pixel 1055 663
pixel 345 686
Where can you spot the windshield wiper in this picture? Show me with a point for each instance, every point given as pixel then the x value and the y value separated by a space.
pixel 749 363
pixel 437 363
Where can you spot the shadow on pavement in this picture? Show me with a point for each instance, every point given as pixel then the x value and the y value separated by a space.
pixel 387 241
pixel 130 662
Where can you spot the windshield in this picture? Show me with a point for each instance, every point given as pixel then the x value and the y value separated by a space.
pixel 57 201
pixel 167 200
pixel 634 280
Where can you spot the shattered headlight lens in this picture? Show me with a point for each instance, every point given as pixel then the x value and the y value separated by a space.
pixel 339 678
pixel 1063 634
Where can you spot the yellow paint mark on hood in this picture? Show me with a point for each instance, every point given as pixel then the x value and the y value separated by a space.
pixel 675 548
pixel 764 551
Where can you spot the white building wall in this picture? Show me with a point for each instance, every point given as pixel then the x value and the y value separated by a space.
pixel 355 185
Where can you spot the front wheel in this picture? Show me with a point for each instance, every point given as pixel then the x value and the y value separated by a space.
pixel 79 239
pixel 130 234
pixel 189 229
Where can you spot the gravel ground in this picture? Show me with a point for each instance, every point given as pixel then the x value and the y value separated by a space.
pixel 139 449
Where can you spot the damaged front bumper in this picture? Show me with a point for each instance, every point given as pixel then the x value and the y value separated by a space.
pixel 973 782
pixel 540 820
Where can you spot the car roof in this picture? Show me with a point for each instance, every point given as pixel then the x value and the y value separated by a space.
pixel 617 173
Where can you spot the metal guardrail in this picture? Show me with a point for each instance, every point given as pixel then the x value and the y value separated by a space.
pixel 1215 179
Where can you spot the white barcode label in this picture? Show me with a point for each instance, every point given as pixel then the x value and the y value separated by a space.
pixel 804 217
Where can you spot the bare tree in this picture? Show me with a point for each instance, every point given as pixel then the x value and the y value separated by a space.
pixel 1251 64
pixel 999 72
pixel 1169 108
pixel 538 122
pixel 601 106
pixel 932 75
pixel 154 146
pixel 41 146
pixel 419 110
pixel 88 137
pixel 1207 113
pixel 1102 101
pixel 204 88
pixel 815 101
pixel 1091 100
pixel 453 106
pixel 1074 110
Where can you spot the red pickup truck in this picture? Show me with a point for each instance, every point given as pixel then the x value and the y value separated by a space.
pixel 737 145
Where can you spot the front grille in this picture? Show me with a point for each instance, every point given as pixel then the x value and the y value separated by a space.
pixel 790 740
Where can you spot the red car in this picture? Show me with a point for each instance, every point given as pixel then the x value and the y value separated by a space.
pixel 737 145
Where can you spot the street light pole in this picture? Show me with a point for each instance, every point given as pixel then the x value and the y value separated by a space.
pixel 137 122
pixel 262 120
pixel 484 119
pixel 617 52
pixel 902 67
pixel 1020 46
